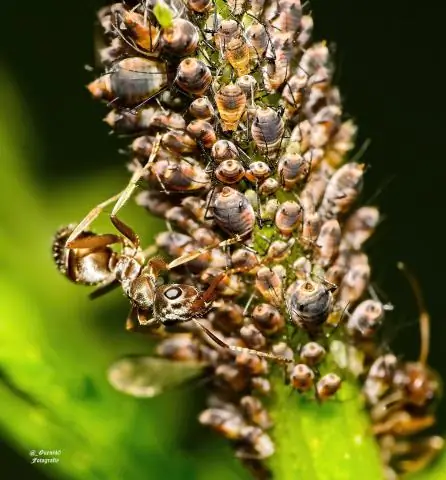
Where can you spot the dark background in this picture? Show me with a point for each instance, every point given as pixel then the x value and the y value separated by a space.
pixel 389 67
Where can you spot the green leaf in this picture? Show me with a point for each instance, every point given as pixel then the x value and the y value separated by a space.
pixel 163 14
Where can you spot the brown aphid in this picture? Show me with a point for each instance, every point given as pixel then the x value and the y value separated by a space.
pixel 200 6
pixel 180 38
pixel 379 378
pixel 267 131
pixel 269 284
pixel 311 227
pixel 237 54
pixel 328 242
pixel 302 377
pixel 231 103
pixel 205 237
pixel 193 77
pixel 354 284
pixel 252 337
pixel 267 319
pixel 155 202
pixel 230 172
pixel 131 81
pixel 112 53
pixel 178 141
pixel 256 412
pixel 327 386
pixel 302 267
pixel 292 169
pixel 249 86
pixel 233 213
pixel 312 353
pixel 224 421
pixel 203 132
pixel 202 109
pixel 255 444
pixel 227 30
pixel 182 219
pixel 224 150
pixel 85 266
pixel 125 122
pixel 181 347
pixel 244 260
pixel 143 147
pixel 341 143
pixel 268 187
pixel 288 217
pixel 310 302
pixel 227 318
pixel 258 171
pixel 258 38
pixel 279 250
pixel 342 190
pixel 261 385
pixel 232 376
pixel 196 207
pixel 305 31
pixel 251 364
pixel 230 286
pixel 366 318
pixel 359 227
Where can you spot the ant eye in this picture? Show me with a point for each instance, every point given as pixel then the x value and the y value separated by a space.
pixel 173 293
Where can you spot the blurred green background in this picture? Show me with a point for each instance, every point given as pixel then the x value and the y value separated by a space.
pixel 57 161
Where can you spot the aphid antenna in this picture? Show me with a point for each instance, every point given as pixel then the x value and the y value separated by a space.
pixel 372 291
pixel 424 317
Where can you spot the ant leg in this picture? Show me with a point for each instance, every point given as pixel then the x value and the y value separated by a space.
pixel 106 286
pixel 125 195
pixel 191 256
pixel 89 218
pixel 236 349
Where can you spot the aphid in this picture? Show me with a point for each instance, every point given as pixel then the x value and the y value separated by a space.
pixel 279 250
pixel 379 377
pixel 155 202
pixel 125 122
pixel 354 284
pixel 255 412
pixel 306 30
pixel 276 72
pixel 237 54
pixel 227 30
pixel 112 53
pixel 342 190
pixel 252 365
pixel 270 286
pixel 302 268
pixel 302 377
pixel 224 421
pixel 200 6
pixel 229 172
pixel 292 169
pixel 258 171
pixel 359 226
pixel 237 7
pixel 181 347
pixel 310 303
pixel 181 38
pixel 233 213
pixel 178 141
pixel 327 386
pixel 267 131
pixel 311 228
pixel 252 337
pixel 341 143
pixel 328 242
pixel 312 353
pixel 244 260
pixel 324 123
pixel 268 187
pixel 227 318
pixel 231 103
pixel 267 319
pixel 193 77
pixel 203 132
pixel 249 86
pixel 224 150
pixel 288 217
pixel 232 377
pixel 258 38
pixel 131 81
pixel 256 444
pixel 366 318
pixel 202 109
pixel 260 385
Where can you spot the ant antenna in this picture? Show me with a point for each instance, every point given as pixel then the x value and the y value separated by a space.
pixel 424 317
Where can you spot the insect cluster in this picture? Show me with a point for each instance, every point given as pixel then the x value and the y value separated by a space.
pixel 238 138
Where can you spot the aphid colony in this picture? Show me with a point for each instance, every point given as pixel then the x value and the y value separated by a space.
pixel 238 139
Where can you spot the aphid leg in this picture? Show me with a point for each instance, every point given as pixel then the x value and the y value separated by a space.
pixel 89 218
pixel 236 349
pixel 424 318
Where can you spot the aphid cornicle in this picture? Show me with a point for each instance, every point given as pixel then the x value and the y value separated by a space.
pixel 267 131
pixel 231 103
pixel 233 213
pixel 131 81
pixel 193 77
